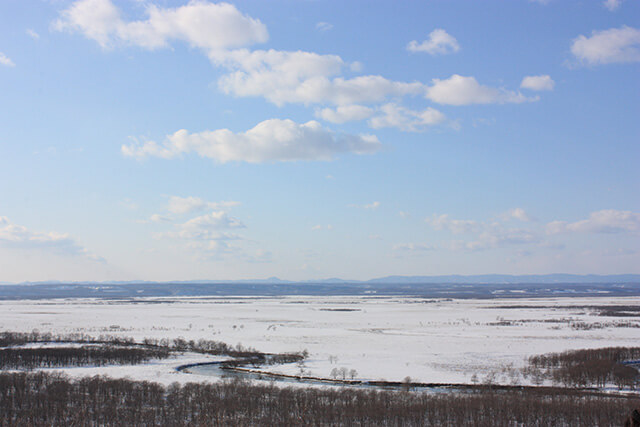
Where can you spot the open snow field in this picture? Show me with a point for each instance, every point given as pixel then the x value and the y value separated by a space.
pixel 445 341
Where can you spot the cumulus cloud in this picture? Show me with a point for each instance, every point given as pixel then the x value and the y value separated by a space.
pixel 439 42
pixel 219 30
pixel 183 205
pixel 201 24
pixel 6 61
pixel 283 77
pixel 486 235
pixel 516 213
pixel 616 45
pixel 214 220
pixel 208 234
pixel 456 226
pixel 31 33
pixel 502 234
pixel 497 236
pixel 461 90
pixel 405 119
pixel 387 115
pixel 19 237
pixel 324 26
pixel 604 221
pixel 269 141
pixel 542 82
pixel 612 5
pixel 345 113
pixel 280 77
pixel 369 206
pixel 159 218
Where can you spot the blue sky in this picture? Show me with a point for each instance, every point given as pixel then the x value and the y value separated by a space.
pixel 308 139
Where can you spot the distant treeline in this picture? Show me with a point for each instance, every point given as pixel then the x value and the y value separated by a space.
pixel 32 358
pixel 106 350
pixel 592 367
pixel 8 339
pixel 39 399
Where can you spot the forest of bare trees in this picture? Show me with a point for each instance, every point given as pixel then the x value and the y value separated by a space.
pixel 37 398
pixel 112 346
pixel 590 367
pixel 53 399
pixel 31 358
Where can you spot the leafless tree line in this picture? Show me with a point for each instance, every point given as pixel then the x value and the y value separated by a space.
pixel 591 367
pixel 41 399
pixel 31 358
pixel 105 350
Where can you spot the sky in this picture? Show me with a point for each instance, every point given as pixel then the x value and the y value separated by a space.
pixel 182 140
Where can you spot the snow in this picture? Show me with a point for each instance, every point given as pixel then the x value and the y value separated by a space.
pixel 429 340
pixel 163 371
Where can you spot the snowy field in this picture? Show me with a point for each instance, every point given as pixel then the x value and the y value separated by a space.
pixel 445 341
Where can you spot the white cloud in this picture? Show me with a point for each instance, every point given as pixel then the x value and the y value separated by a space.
pixel 387 115
pixel 412 247
pixel 456 226
pixel 439 42
pixel 159 218
pixel 213 220
pixel 32 34
pixel 486 235
pixel 499 237
pixel 498 234
pixel 324 26
pixel 604 221
pixel 302 77
pixel 280 77
pixel 345 113
pixel 269 141
pixel 19 237
pixel 616 45
pixel 612 5
pixel 542 82
pixel 369 206
pixel 183 205
pixel 207 234
pixel 516 213
pixel 204 25
pixel 461 90
pixel 356 66
pixel 405 119
pixel 495 236
pixel 6 61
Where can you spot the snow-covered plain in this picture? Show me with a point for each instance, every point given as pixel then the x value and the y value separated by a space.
pixel 429 340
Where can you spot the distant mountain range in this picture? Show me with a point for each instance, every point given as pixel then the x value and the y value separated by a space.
pixel 506 279
pixel 495 279
pixel 486 286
